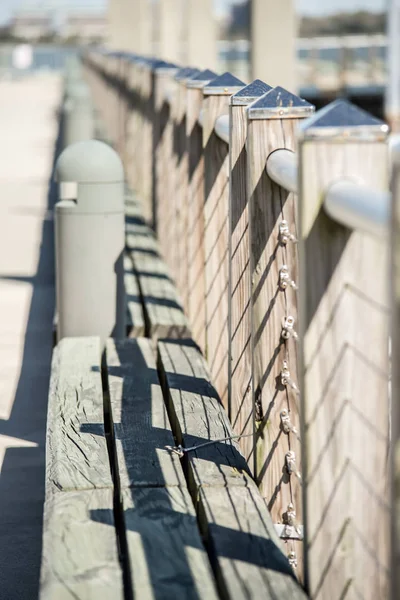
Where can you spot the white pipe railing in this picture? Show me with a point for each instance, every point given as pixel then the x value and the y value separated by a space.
pixel 358 207
pixel 221 128
pixel 282 168
pixel 200 119
pixel 351 204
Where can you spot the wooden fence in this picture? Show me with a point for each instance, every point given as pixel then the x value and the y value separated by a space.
pixel 274 224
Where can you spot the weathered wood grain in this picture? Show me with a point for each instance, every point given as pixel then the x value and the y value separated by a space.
pixel 76 449
pixel 80 555
pixel 344 320
pixel 198 416
pixel 241 407
pixel 181 192
pixel 195 224
pixel 247 554
pixel 234 519
pixel 135 318
pixel 216 235
pixel 163 310
pixel 395 377
pixel 139 417
pixel 163 165
pixel 269 206
pixel 167 557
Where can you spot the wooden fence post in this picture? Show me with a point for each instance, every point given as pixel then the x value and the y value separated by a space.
pixel 195 203
pixel 161 73
pixel 216 229
pixel 162 155
pixel 239 359
pixel 131 166
pixel 395 376
pixel 272 124
pixel 344 363
pixel 181 173
pixel 176 145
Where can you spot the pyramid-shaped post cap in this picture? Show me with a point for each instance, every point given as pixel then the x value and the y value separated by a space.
pixel 250 93
pixel 201 79
pixel 342 119
pixel 89 161
pixel 278 103
pixel 185 73
pixel 223 85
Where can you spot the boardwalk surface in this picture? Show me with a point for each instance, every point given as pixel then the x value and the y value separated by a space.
pixel 28 134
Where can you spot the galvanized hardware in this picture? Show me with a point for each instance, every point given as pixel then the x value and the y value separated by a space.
pixel 288 328
pixel 288 532
pixel 285 421
pixel 290 459
pixel 286 378
pixel 181 451
pixel 292 558
pixel 291 467
pixel 285 373
pixel 290 515
pixel 284 234
pixel 285 279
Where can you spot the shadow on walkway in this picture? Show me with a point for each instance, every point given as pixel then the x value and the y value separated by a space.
pixel 22 478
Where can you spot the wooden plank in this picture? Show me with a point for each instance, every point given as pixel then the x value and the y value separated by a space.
pixel 80 556
pixel 234 520
pixel 344 349
pixel 270 205
pixel 196 309
pixel 167 557
pixel 247 554
pixel 241 403
pixel 216 230
pixel 76 450
pixel 135 318
pixel 139 416
pixel 198 416
pixel 163 310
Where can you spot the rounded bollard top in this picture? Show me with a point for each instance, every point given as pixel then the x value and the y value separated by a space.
pixel 89 161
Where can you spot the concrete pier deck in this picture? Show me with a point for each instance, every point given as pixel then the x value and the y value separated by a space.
pixel 28 135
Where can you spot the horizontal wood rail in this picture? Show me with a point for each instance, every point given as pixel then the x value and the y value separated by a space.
pixel 263 210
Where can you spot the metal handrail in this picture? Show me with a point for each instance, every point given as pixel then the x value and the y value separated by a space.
pixel 352 204
pixel 221 128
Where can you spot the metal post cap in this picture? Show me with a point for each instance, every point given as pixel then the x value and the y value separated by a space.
pixel 89 161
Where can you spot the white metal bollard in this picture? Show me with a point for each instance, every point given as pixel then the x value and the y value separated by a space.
pixel 78 114
pixel 90 240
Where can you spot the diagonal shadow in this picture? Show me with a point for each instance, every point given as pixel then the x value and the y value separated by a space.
pixel 151 511
pixel 22 481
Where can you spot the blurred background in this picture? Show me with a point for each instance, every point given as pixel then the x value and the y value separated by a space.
pixel 340 46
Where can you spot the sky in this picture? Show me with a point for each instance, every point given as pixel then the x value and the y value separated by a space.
pixel 304 7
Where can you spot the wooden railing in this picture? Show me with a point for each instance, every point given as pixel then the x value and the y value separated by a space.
pixel 273 221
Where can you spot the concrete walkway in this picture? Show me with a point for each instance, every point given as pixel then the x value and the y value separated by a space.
pixel 28 134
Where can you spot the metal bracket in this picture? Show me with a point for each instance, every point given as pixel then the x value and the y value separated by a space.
pixel 284 233
pixel 288 328
pixel 285 280
pixel 289 532
pixel 292 558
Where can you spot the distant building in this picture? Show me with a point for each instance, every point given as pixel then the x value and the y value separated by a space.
pixel 32 25
pixel 34 22
pixel 88 27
